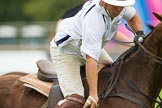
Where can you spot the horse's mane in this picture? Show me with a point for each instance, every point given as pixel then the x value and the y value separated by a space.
pixel 111 74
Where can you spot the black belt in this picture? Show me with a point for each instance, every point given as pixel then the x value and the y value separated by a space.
pixel 62 40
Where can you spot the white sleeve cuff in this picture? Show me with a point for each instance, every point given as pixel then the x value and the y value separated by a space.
pixel 93 54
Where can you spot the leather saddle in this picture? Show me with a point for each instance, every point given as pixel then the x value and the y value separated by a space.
pixel 46 72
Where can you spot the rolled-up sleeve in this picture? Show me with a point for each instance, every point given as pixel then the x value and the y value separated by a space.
pixel 93 29
pixel 129 12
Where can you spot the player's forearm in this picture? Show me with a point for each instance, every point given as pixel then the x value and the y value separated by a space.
pixel 135 23
pixel 92 75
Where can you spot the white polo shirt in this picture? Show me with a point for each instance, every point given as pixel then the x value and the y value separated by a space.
pixel 88 31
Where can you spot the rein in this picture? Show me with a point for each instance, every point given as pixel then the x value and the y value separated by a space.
pixel 149 54
pixel 110 83
pixel 117 73
pixel 142 48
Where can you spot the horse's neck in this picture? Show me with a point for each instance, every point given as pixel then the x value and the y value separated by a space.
pixel 141 69
pixel 153 42
pixel 142 72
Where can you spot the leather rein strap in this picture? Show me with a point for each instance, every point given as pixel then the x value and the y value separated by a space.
pixel 149 54
pixel 108 89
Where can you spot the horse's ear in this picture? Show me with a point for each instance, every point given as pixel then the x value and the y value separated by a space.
pixel 150 26
pixel 158 16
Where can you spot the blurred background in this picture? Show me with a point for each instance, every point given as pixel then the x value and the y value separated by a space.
pixel 27 26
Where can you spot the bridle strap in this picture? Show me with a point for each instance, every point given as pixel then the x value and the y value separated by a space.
pixel 151 55
pixel 131 99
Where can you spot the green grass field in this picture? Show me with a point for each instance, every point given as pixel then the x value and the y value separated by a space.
pixel 158 99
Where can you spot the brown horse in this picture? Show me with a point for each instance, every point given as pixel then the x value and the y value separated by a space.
pixel 140 70
pixel 133 81
pixel 14 95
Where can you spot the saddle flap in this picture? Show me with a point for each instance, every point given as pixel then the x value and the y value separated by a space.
pixel 33 82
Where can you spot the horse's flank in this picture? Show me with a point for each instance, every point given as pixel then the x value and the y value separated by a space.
pixel 13 94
